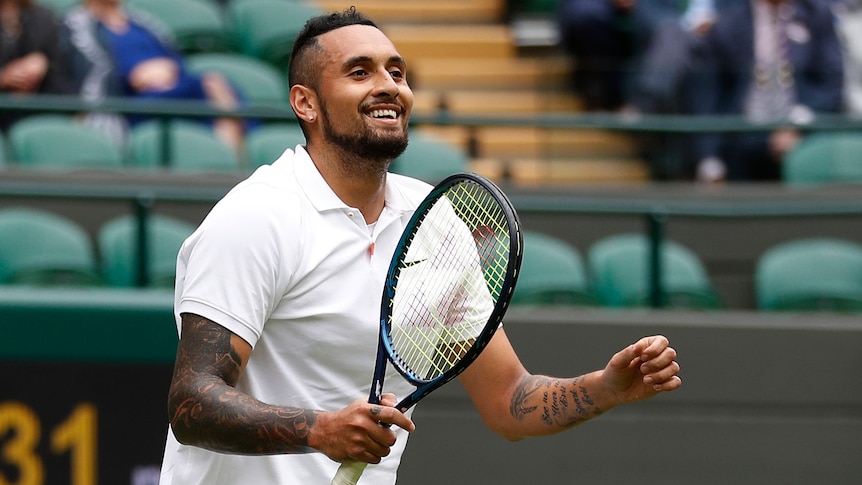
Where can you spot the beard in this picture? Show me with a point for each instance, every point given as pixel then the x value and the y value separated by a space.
pixel 369 146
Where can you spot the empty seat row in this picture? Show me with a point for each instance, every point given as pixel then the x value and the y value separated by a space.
pixel 614 273
pixel 59 141
pixel 184 145
pixel 42 248
pixel 811 274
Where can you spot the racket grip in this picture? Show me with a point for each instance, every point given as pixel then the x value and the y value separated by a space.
pixel 348 473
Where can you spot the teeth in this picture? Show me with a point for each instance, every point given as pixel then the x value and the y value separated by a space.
pixel 383 113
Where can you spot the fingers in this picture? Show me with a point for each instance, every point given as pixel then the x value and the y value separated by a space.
pixel 641 351
pixel 654 358
pixel 369 434
pixel 658 363
pixel 386 413
pixel 388 399
pixel 665 379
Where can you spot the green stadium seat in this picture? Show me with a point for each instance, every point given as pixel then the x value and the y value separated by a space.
pixel 267 142
pixel 197 25
pixel 552 273
pixel 44 249
pixel 824 158
pixel 814 274
pixel 266 29
pixel 619 269
pixel 118 248
pixel 193 148
pixel 257 81
pixel 430 159
pixel 72 145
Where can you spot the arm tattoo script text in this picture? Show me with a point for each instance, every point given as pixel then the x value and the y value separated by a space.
pixel 560 402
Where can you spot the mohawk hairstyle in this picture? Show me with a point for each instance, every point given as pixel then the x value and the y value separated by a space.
pixel 300 69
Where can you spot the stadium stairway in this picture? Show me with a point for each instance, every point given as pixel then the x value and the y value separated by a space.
pixel 464 58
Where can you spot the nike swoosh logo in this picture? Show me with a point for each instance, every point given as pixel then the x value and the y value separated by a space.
pixel 407 264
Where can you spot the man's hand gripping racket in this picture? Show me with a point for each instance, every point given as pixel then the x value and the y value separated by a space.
pixel 448 286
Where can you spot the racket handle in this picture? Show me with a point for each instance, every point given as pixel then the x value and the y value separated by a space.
pixel 348 473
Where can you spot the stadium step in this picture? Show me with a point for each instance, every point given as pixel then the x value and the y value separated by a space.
pixel 490 73
pixel 424 11
pixel 542 172
pixel 530 142
pixel 464 60
pixel 474 41
pixel 502 102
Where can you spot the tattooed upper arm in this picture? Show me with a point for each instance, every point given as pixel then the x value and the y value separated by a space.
pixel 209 362
pixel 206 410
pixel 207 347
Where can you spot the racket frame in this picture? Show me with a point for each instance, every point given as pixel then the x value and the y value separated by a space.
pixel 385 352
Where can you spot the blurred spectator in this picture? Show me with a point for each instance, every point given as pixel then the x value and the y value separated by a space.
pixel 120 52
pixel 849 15
pixel 605 38
pixel 30 60
pixel 771 61
pixel 669 57
pixel 662 83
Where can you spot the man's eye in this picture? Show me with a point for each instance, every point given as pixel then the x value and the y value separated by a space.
pixel 359 72
pixel 396 73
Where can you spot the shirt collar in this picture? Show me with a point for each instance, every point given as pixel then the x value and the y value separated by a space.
pixel 322 196
pixel 313 184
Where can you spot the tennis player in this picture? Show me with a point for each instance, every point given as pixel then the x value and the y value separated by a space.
pixel 278 296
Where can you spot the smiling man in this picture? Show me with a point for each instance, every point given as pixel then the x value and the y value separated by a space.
pixel 278 294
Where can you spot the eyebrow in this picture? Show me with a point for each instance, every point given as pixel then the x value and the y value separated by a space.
pixel 366 59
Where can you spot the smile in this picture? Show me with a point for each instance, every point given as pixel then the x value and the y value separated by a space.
pixel 386 114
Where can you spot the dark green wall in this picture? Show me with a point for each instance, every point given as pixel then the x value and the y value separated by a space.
pixel 767 398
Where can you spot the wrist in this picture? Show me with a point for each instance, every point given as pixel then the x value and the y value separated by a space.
pixel 603 390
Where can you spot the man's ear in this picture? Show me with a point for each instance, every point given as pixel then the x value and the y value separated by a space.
pixel 303 100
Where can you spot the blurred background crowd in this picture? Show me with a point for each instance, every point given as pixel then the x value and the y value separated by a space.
pixel 775 62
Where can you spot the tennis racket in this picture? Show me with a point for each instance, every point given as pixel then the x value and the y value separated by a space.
pixel 446 291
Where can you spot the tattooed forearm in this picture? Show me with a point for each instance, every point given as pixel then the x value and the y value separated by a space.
pixel 206 411
pixel 523 392
pixel 563 402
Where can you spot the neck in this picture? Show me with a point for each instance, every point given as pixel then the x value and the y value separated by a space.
pixel 357 182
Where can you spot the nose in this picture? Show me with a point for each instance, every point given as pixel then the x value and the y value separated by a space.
pixel 386 85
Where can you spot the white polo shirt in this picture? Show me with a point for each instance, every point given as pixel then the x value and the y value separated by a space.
pixel 283 263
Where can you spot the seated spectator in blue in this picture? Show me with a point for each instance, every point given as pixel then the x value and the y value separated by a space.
pixel 122 52
pixel 772 61
pixel 30 60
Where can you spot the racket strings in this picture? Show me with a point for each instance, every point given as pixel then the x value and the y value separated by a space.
pixel 450 282
pixel 481 210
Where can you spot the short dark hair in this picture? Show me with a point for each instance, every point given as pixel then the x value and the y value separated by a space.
pixel 300 67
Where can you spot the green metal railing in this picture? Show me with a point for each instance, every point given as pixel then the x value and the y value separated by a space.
pixel 283 112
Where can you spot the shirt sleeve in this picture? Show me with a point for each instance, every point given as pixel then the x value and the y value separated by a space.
pixel 238 264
